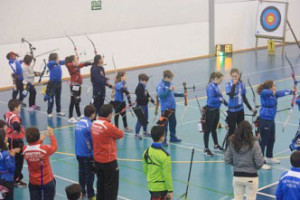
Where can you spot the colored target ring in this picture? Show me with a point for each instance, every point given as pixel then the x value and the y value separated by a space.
pixel 270 18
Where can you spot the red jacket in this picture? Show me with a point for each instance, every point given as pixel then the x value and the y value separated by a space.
pixel 34 153
pixel 104 136
pixel 74 72
pixel 10 118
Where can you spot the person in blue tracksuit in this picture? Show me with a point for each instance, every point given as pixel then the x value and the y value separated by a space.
pixel 165 91
pixel 119 101
pixel 214 101
pixel 17 75
pixel 54 85
pixel 236 90
pixel 142 99
pixel 7 167
pixel 84 151
pixel 289 183
pixel 267 113
pixel 295 145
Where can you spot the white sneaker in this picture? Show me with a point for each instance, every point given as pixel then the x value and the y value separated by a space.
pixel 80 117
pixel 50 115
pixel 272 161
pixel 72 120
pixel 60 114
pixel 266 167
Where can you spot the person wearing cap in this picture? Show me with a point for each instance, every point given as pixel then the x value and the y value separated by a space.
pixel 289 183
pixel 17 75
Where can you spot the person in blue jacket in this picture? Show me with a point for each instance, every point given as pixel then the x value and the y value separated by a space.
pixel 295 145
pixel 119 101
pixel 289 183
pixel 214 101
pixel 165 91
pixel 266 123
pixel 7 167
pixel 236 90
pixel 99 81
pixel 17 75
pixel 84 151
pixel 54 85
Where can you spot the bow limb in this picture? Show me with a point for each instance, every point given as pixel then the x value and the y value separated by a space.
pixel 113 91
pixel 74 45
pixel 155 109
pixel 91 41
pixel 43 71
pixel 185 102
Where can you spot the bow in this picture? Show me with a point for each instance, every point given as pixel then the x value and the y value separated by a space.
pixel 185 95
pixel 254 115
pixel 294 93
pixel 113 91
pixel 31 47
pixel 43 72
pixel 156 109
pixel 75 48
pixel 95 50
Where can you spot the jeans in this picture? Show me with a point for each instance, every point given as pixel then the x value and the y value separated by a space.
pixel 267 136
pixel 245 185
pixel 86 177
pixel 138 124
pixel 48 191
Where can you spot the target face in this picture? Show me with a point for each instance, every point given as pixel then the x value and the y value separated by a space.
pixel 270 18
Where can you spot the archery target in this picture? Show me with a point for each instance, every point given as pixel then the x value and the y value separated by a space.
pixel 271 19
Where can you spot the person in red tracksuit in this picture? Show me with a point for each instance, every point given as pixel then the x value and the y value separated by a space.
pixel 15 134
pixel 104 135
pixel 74 67
pixel 37 157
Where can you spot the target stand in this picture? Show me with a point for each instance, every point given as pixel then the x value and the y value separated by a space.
pixel 272 21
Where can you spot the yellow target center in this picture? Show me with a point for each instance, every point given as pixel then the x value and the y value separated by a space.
pixel 270 19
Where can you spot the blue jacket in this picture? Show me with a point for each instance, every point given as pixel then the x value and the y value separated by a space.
pixel 16 66
pixel 268 101
pixel 83 138
pixel 98 79
pixel 119 95
pixel 55 70
pixel 236 103
pixel 214 97
pixel 289 185
pixel 166 96
pixel 7 166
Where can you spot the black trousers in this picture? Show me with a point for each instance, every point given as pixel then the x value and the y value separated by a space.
pixel 74 102
pixel 212 120
pixel 99 98
pixel 158 195
pixel 118 108
pixel 10 186
pixel 19 87
pixel 86 176
pixel 36 191
pixel 108 180
pixel 267 136
pixel 234 119
pixel 19 158
pixel 54 89
pixel 32 95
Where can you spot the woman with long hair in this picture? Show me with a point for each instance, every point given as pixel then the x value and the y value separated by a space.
pixel 266 120
pixel 214 101
pixel 244 154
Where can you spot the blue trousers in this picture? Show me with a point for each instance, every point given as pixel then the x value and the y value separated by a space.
pixel 49 191
pixel 267 136
pixel 54 89
pixel 138 124
pixel 86 177
pixel 172 125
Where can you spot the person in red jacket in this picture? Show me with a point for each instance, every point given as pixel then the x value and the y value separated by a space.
pixel 104 135
pixel 15 134
pixel 74 67
pixel 41 179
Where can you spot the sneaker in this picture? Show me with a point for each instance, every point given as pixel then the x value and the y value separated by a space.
pixel 218 148
pixel 80 117
pixel 272 161
pixel 50 115
pixel 146 134
pixel 138 137
pixel 30 109
pixel 92 198
pixel 207 152
pixel 72 120
pixel 128 130
pixel 20 184
pixel 35 107
pixel 175 140
pixel 266 167
pixel 60 114
pixel 165 143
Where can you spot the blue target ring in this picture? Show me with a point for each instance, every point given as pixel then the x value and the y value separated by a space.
pixel 270 18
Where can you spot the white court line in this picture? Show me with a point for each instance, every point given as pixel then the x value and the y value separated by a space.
pixel 266 186
pixel 280 152
pixel 267 195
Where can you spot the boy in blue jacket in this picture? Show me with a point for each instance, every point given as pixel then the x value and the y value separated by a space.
pixel 289 183
pixel 17 75
pixel 54 84
pixel 165 91
pixel 84 151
